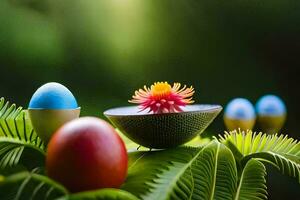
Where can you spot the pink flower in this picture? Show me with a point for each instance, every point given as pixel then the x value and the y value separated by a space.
pixel 162 98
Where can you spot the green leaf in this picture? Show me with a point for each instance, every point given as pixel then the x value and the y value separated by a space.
pixel 252 183
pixel 183 173
pixel 14 152
pixel 15 123
pixel 19 144
pixel 102 194
pixel 285 165
pixel 279 150
pixel 29 185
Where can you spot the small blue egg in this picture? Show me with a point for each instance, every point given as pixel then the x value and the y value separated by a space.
pixel 240 108
pixel 53 96
pixel 270 105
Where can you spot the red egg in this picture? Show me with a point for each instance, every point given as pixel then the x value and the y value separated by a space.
pixel 86 154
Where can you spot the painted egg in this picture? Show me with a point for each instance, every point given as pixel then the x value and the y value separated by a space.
pixel 239 113
pixel 50 107
pixel 271 112
pixel 53 96
pixel 87 154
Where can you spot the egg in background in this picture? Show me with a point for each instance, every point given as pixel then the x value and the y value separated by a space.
pixel 271 113
pixel 239 113
pixel 50 107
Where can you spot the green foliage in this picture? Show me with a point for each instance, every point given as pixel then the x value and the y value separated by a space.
pixel 14 152
pixel 29 185
pixel 15 123
pixel 231 168
pixel 32 185
pixel 281 151
pixel 252 183
pixel 250 143
pixel 104 194
pixel 18 140
pixel 183 173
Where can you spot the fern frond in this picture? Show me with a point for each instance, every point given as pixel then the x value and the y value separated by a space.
pixel 279 150
pixel 183 173
pixel 102 194
pixel 15 123
pixel 14 152
pixel 252 183
pixel 251 142
pixel 29 185
pixel 17 138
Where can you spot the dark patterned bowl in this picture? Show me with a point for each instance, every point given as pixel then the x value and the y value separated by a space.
pixel 162 130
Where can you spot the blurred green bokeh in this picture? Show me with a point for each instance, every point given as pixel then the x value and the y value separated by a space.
pixel 104 50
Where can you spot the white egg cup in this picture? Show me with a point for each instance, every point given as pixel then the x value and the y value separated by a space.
pixel 235 124
pixel 271 123
pixel 46 121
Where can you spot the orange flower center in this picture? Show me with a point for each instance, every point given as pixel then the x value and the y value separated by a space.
pixel 161 89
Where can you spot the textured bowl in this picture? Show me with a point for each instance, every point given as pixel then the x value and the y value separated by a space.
pixel 163 130
pixel 45 122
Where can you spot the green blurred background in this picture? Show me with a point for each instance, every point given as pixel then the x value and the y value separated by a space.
pixel 103 50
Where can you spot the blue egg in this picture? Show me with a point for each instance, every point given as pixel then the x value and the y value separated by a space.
pixel 270 105
pixel 53 96
pixel 241 109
